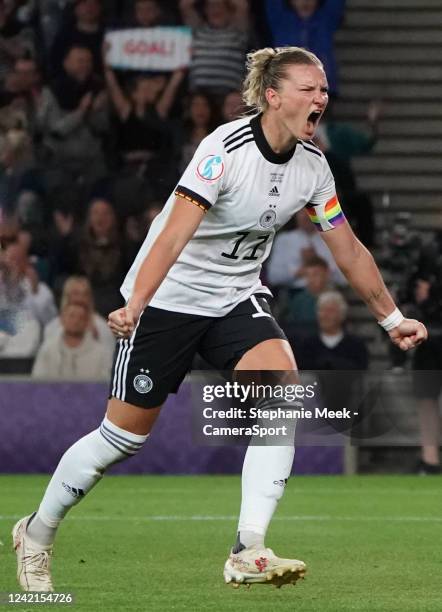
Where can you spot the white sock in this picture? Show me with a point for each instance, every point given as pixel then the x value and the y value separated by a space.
pixel 80 468
pixel 41 533
pixel 246 539
pixel 265 472
pixel 264 476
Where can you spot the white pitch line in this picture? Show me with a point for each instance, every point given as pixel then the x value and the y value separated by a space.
pixel 196 518
pixel 142 491
pixel 293 488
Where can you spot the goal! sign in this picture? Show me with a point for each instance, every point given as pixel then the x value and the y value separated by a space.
pixel 159 49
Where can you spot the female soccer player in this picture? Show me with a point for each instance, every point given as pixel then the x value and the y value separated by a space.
pixel 195 286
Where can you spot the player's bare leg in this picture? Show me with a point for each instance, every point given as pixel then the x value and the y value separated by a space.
pixel 132 418
pixel 265 472
pixel 122 434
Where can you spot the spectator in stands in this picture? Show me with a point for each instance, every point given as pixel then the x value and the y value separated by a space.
pixel 299 318
pixel 19 329
pixel 12 119
pixel 232 107
pixel 141 13
pixel 137 226
pixel 77 289
pixel 77 79
pixel 310 24
pixel 143 133
pixel 332 348
pixel 11 93
pixel 427 383
pixel 340 143
pixel 198 121
pixel 72 118
pixel 291 250
pixel 96 251
pixel 15 40
pixel 64 238
pixel 84 30
pixel 47 16
pixel 147 14
pixel 21 184
pixel 20 82
pixel 29 73
pixel 425 301
pixel 73 354
pixel 32 89
pixel 37 295
pixel 220 40
pixel 9 232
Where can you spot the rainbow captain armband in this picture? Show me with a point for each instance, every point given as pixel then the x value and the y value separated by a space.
pixel 326 216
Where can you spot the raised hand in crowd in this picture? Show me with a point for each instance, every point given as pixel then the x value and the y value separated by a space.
pixel 189 13
pixel 86 102
pixel 99 101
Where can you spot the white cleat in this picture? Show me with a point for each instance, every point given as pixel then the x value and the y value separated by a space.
pixel 33 561
pixel 261 565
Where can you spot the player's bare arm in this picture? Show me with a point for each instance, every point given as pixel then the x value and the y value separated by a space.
pixel 360 268
pixel 178 230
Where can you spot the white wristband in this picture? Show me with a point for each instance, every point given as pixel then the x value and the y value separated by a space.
pixel 393 320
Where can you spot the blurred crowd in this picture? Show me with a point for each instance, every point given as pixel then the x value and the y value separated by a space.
pixel 89 153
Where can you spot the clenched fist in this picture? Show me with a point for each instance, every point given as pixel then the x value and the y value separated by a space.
pixel 408 334
pixel 122 322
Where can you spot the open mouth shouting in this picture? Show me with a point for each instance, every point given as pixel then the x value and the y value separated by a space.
pixel 313 120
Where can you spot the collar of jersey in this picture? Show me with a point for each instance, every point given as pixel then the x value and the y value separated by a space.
pixel 263 145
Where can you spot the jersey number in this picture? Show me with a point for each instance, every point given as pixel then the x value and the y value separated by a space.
pixel 254 248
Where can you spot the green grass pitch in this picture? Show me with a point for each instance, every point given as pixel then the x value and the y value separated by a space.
pixel 152 543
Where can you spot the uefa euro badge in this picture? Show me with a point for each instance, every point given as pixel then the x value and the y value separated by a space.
pixel 210 168
pixel 142 382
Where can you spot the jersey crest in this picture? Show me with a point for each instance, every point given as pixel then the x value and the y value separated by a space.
pixel 268 218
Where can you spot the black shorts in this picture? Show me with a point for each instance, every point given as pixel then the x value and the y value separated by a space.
pixel 154 361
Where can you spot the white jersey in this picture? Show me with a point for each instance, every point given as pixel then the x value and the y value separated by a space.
pixel 248 192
